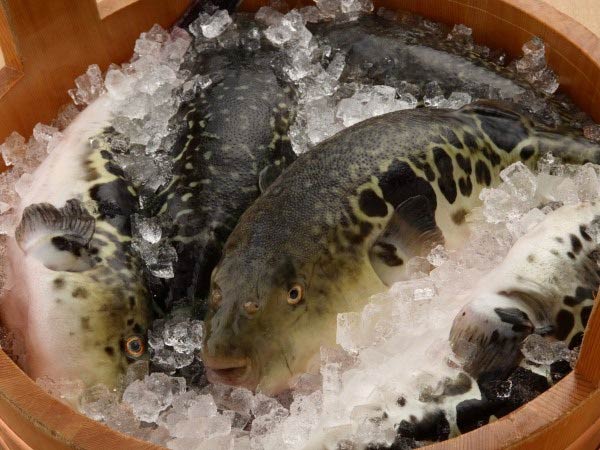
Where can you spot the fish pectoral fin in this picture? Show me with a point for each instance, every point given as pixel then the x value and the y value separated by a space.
pixel 411 231
pixel 58 237
pixel 267 176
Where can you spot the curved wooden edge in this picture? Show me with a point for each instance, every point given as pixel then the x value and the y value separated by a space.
pixel 568 409
pixel 44 423
pixel 57 40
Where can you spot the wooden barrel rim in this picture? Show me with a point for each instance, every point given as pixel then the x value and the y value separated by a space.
pixel 554 420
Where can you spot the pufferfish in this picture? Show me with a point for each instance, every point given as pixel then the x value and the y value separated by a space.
pixel 340 224
pixel 546 285
pixel 77 295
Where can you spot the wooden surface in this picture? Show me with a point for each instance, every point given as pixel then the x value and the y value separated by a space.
pixel 586 12
pixel 56 40
pixel 51 42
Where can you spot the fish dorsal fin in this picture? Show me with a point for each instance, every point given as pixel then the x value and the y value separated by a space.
pixel 411 231
pixel 494 108
pixel 59 238
pixel 266 176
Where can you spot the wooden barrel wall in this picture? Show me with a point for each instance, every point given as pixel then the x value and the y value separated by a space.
pixel 46 44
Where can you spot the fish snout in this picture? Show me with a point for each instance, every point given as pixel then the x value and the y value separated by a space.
pixel 234 370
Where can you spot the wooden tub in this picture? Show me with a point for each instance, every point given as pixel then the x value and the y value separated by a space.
pixel 46 44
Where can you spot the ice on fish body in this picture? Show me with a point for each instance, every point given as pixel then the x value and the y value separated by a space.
pixel 539 350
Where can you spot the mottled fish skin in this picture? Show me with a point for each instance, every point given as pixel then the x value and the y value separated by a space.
pixel 303 251
pixel 546 285
pixel 79 324
pixel 456 404
pixel 385 54
pixel 234 137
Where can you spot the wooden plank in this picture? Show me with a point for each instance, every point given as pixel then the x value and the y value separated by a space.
pixel 57 40
pixel 586 12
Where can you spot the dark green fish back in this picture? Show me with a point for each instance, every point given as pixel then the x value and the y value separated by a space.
pixel 233 133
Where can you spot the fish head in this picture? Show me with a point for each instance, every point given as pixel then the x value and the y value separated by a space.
pixel 259 329
pixel 78 297
pixel 76 326
pixel 274 300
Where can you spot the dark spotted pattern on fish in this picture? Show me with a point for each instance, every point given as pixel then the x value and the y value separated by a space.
pixel 313 216
pixel 231 134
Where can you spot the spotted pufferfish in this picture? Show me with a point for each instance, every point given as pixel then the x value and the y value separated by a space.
pixel 77 296
pixel 546 285
pixel 232 142
pixel 342 221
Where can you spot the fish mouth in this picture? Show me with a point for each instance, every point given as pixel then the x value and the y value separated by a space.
pixel 228 370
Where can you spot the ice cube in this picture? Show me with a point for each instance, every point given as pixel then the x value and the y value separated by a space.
pixel 592 132
pixel 534 56
pixel 13 149
pixel 268 16
pixel 369 102
pixel 348 333
pixel 97 401
pixel 521 182
pixel 463 35
pixel 438 256
pixel 154 394
pixel 66 390
pixel 457 100
pixel 46 135
pixel 354 7
pixel 310 14
pixel 533 66
pixel 211 26
pixel 414 290
pixel 586 180
pixel 290 30
pixel 185 336
pixel 540 350
pixel 567 192
pixel 523 224
pixel 251 40
pixel 89 86
pixel 148 228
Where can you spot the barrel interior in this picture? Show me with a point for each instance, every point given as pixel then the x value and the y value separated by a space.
pixel 45 45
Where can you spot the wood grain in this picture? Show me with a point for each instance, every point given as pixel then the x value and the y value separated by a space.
pixel 52 42
pixel 57 40
pixel 586 12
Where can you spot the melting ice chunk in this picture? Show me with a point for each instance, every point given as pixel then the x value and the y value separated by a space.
pixel 211 26
pixel 154 394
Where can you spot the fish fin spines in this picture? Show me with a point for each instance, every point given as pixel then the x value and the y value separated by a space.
pixel 72 220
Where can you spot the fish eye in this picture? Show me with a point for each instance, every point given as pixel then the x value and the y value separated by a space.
pixel 295 294
pixel 251 307
pixel 135 347
pixel 216 297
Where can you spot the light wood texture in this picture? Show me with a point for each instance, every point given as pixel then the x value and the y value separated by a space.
pixel 43 423
pixel 57 40
pixel 108 7
pixel 586 12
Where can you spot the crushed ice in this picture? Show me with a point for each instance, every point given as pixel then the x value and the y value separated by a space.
pixel 396 348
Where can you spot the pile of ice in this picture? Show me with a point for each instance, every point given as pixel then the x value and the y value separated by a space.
pixel 327 106
pixel 392 357
pixel 175 343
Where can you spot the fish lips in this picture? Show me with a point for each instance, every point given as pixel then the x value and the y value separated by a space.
pixel 230 370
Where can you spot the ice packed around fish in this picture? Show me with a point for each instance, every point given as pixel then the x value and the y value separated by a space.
pixel 323 69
